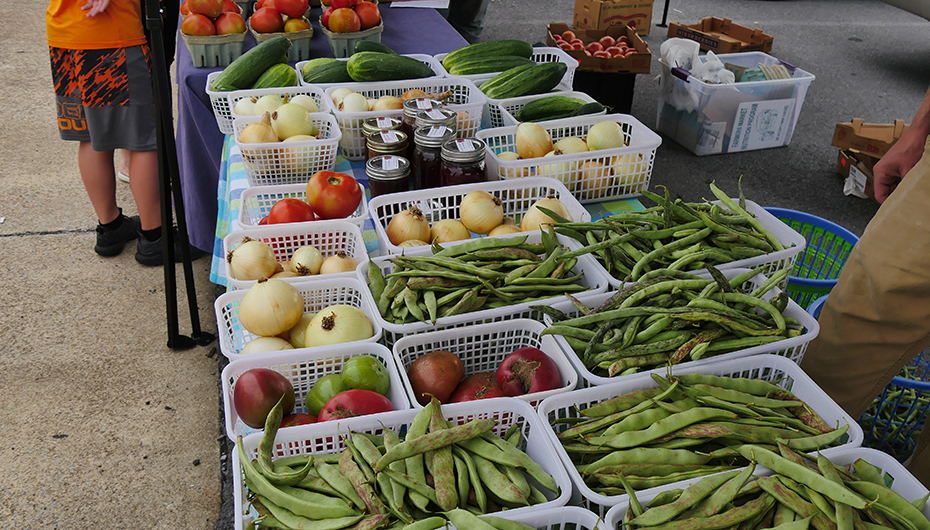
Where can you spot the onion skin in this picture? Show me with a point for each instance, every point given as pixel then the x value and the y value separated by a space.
pixel 527 371
pixel 533 140
pixel 408 224
pixel 534 219
pixel 270 307
pixel 337 324
pixel 480 211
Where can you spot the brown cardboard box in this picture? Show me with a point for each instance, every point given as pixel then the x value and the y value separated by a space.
pixel 857 167
pixel 721 35
pixel 638 63
pixel 874 139
pixel 601 14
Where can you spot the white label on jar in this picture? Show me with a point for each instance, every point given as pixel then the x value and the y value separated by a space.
pixel 383 122
pixel 388 137
pixel 436 131
pixel 435 114
pixel 388 162
pixel 424 103
pixel 464 145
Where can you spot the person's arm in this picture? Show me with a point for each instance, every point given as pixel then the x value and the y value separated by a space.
pixel 95 7
pixel 904 154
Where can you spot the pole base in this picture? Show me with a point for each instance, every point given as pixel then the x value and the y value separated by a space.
pixel 181 342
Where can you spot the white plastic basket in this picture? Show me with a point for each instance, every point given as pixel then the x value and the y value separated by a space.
pixel 289 162
pixel 466 100
pixel 493 117
pixel 323 103
pixel 318 293
pixel 220 103
pixel 904 483
pixel 511 106
pixel 443 203
pixel 302 367
pixel 594 280
pixel 325 438
pixel 482 347
pixel 423 58
pixel 793 348
pixel 256 201
pixel 328 237
pixel 633 162
pixel 773 368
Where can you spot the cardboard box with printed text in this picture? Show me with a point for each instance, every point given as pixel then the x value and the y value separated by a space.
pixel 874 139
pixel 856 167
pixel 639 62
pixel 721 35
pixel 601 14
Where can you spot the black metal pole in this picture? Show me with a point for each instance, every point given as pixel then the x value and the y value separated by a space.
pixel 664 23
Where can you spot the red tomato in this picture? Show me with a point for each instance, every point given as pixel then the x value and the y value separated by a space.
pixel 324 18
pixel 291 8
pixel 185 10
pixel 344 20
pixel 297 418
pixel 527 371
pixel 333 195
pixel 368 14
pixel 336 4
pixel 355 402
pixel 263 221
pixel 195 24
pixel 267 20
pixel 290 211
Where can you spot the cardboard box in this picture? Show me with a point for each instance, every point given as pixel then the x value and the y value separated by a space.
pixel 600 14
pixel 721 35
pixel 873 139
pixel 638 63
pixel 856 167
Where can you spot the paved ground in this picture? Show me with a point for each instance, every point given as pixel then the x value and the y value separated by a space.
pixel 105 426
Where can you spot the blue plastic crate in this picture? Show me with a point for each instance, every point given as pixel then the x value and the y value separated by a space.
pixel 893 422
pixel 817 268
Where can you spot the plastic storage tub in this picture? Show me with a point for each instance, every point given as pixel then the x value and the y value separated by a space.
pixel 773 368
pixel 302 367
pixel 443 203
pixel 828 246
pixel 634 162
pixel 710 119
pixel 511 106
pixel 289 162
pixel 481 348
pixel 325 438
pixel 328 237
pixel 256 201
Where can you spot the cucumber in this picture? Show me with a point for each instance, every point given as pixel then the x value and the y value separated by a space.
pixel 373 66
pixel 372 46
pixel 487 49
pixel 245 70
pixel 536 79
pixel 504 76
pixel 486 65
pixel 548 108
pixel 334 71
pixel 588 108
pixel 279 75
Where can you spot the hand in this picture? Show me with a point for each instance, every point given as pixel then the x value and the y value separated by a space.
pixel 95 7
pixel 891 169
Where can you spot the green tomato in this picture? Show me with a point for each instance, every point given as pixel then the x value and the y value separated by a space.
pixel 366 372
pixel 325 388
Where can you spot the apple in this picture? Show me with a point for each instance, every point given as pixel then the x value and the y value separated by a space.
pixel 368 14
pixel 578 46
pixel 602 54
pixel 594 47
pixel 607 41
pixel 267 20
pixel 568 35
pixel 614 51
pixel 344 20
pixel 294 25
pixel 324 18
pixel 343 3
pixel 292 8
pixel 208 8
pixel 185 10
pixel 196 24
pixel 229 24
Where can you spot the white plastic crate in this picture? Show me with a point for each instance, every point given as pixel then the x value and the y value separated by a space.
pixel 511 106
pixel 220 103
pixel 322 438
pixel 594 280
pixel 289 162
pixel 482 348
pixel 423 58
pixel 466 100
pixel 328 237
pixel 443 203
pixel 633 163
pixel 772 368
pixel 904 482
pixel 302 367
pixel 256 201
pixel 318 293
pixel 323 103
pixel 493 117
pixel 793 348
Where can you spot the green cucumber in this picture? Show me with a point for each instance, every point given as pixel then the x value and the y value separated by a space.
pixel 487 49
pixel 372 46
pixel 487 65
pixel 504 77
pixel 333 71
pixel 373 66
pixel 548 108
pixel 588 108
pixel 279 75
pixel 245 70
pixel 537 79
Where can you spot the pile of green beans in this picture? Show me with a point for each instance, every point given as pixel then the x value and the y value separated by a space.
pixel 804 492
pixel 896 418
pixel 669 317
pixel 478 274
pixel 674 235
pixel 438 472
pixel 687 426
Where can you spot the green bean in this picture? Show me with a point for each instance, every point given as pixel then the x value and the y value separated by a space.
pixel 498 483
pixel 290 520
pixel 265 449
pixel 891 502
pixel 532 468
pixel 483 243
pixel 434 440
pixel 689 498
pixel 661 428
pixel 474 480
pixel 726 200
pixel 724 494
pixel 803 508
pixel 352 471
pixel 665 249
pixel 431 523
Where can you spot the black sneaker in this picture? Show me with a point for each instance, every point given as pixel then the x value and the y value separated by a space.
pixel 111 242
pixel 150 253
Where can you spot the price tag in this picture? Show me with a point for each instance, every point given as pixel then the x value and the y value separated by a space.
pixel 388 137
pixel 424 103
pixel 464 145
pixel 389 162
pixel 436 131
pixel 383 122
pixel 435 114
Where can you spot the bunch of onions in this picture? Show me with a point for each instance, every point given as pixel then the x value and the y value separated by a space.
pixel 533 140
pixel 259 132
pixel 306 260
pixel 605 135
pixel 270 307
pixel 448 230
pixel 534 219
pixel 338 262
pixel 337 324
pixel 408 224
pixel 480 211
pixel 251 260
pixel 266 344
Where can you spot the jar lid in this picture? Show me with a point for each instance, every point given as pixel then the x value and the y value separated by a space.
pixel 433 136
pixel 441 116
pixel 387 167
pixel 387 137
pixel 381 123
pixel 463 150
pixel 415 105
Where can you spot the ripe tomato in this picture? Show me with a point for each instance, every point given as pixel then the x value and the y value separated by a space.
pixel 297 418
pixel 333 195
pixel 322 391
pixel 344 20
pixel 368 14
pixel 355 402
pixel 196 24
pixel 291 8
pixel 290 211
pixel 267 20
pixel 324 18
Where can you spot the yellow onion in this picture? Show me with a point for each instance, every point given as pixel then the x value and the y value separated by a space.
pixel 337 324
pixel 462 120
pixel 629 169
pixel 268 103
pixel 296 333
pixel 534 219
pixel 306 102
pixel 408 224
pixel 413 93
pixel 292 119
pixel 338 262
pixel 511 172
pixel 605 135
pixel 412 243
pixel 564 172
pixel 270 307
pixel 353 102
pixel 279 266
pixel 533 140
pixel 448 230
pixel 596 178
pixel 504 229
pixel 266 344
pixel 246 107
pixel 480 211
pixel 259 132
pixel 387 103
pixel 306 260
pixel 339 94
pixel 251 260
pixel 285 274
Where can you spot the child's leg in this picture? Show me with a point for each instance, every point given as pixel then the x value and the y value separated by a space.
pixel 99 180
pixel 144 184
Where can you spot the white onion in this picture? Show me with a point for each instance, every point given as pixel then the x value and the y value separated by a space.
pixel 306 260
pixel 534 219
pixel 353 102
pixel 338 262
pixel 480 211
pixel 270 307
pixel 296 333
pixel 412 243
pixel 266 344
pixel 448 230
pixel 605 135
pixel 387 103
pixel 337 324
pixel 292 119
pixel 340 93
pixel 533 140
pixel 504 229
pixel 306 102
pixel 251 260
pixel 268 103
pixel 408 224
pixel 596 178
pixel 246 107
pixel 259 132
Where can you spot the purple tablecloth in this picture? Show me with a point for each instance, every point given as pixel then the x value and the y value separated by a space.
pixel 200 142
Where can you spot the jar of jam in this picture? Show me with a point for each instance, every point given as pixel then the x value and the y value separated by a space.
pixel 443 116
pixel 387 174
pixel 381 123
pixel 427 155
pixel 412 107
pixel 387 142
pixel 462 162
